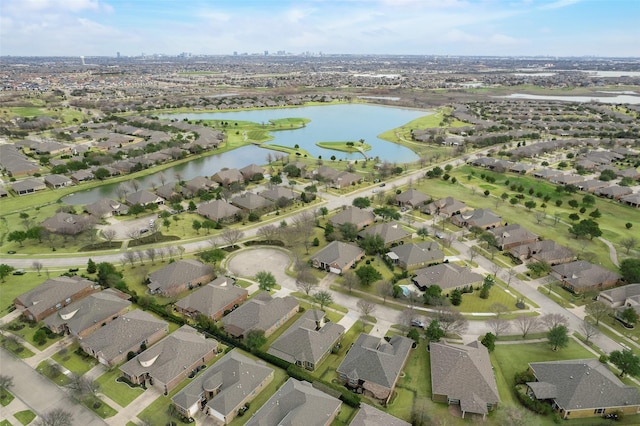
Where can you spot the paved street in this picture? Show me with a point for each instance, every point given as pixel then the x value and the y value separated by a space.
pixel 39 394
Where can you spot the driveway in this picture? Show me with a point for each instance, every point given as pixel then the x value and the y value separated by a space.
pixel 123 228
pixel 247 263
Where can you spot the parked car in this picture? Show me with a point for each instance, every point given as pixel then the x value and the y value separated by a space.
pixel 19 272
pixel 439 235
pixel 382 184
pixel 417 323
pixel 144 230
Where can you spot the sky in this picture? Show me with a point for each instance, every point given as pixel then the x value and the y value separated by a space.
pixel 606 28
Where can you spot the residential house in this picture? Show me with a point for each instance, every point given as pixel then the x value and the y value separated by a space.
pixel 582 388
pixel 620 298
pixel 53 295
pixel 223 389
pixel 345 179
pixel 212 300
pixel 447 207
pixel 632 200
pixel 325 173
pixel 373 365
pixel 172 359
pixel 251 202
pixel 308 341
pixel 546 173
pixel 199 183
pixel 81 176
pixel 179 276
pixel 84 316
pixel 131 332
pixel 522 168
pixel 251 172
pixel 513 235
pixel 3 193
pixel 67 223
pixel 592 185
pixel 337 257
pixel 581 276
pixel 171 191
pixel 416 255
pixel 279 192
pixel 143 198
pixel 412 198
pixel 462 375
pixel 57 181
pixel 227 177
pixel 614 192
pixel 105 208
pixel 28 186
pixel 297 403
pixel 545 250
pixel 261 312
pixel 219 211
pixel 360 218
pixel 566 179
pixel 482 218
pixel 391 233
pixel 447 276
pixel 371 416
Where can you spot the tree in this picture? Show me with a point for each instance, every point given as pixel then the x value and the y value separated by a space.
pixel 414 335
pixel 433 295
pixel 554 320
pixel 628 243
pixel 306 280
pixel 366 309
pixel 387 213
pixel 588 200
pixel 629 316
pixel 6 382
pixel 268 233
pixel 372 244
pixel 434 332
pixel 423 232
pixel 530 204
pixel 101 173
pixel 82 386
pixel 136 209
pixel 324 211
pixel 349 280
pixel 151 254
pixel 451 321
pixel 266 280
pixel 231 236
pixel 323 298
pixel 56 417
pixel 499 326
pixel 489 341
pixel 588 331
pixel 361 202
pixel 17 236
pixel 254 339
pixel 5 270
pixel 37 265
pixel 368 274
pixel 586 227
pixel 385 289
pixel 207 224
pixel 626 361
pixel 196 225
pixel 630 270
pixel 349 231
pixel 558 337
pixel 526 324
pixel 598 310
pixel 109 234
pixel 91 267
pixel 456 297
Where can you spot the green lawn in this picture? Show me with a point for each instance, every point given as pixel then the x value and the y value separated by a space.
pixel 16 348
pixel 119 392
pixel 74 362
pixel 54 374
pixel 5 397
pixel 472 302
pixel 99 407
pixel 5 423
pixel 16 285
pixel 311 304
pixel 27 331
pixel 25 417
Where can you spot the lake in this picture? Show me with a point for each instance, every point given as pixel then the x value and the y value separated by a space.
pixel 328 123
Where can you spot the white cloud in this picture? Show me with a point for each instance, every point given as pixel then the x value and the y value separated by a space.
pixel 559 4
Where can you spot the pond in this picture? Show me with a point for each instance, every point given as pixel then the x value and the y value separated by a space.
pixel 345 122
pixel 331 123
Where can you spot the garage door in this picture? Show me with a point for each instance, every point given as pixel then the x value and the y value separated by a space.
pixel 335 270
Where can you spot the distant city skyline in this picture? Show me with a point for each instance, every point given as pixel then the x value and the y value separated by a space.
pixel 605 28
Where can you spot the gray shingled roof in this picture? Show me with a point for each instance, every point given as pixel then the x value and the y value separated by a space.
pixel 259 313
pixel 217 210
pixel 167 359
pixel 304 342
pixel 371 416
pixel 235 375
pixel 413 197
pixel 352 215
pixel 213 297
pixel 511 234
pixel 446 276
pixel 250 201
pixel 52 291
pixel 582 274
pixel 375 360
pixel 84 313
pixel 274 194
pixel 464 373
pixel 123 333
pixel 585 384
pixel 547 250
pixel 178 273
pixel 338 252
pixel 142 197
pixel 416 253
pixel 296 403
pixel 389 231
